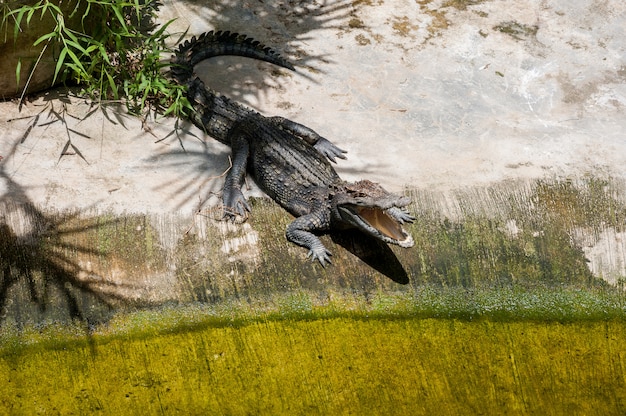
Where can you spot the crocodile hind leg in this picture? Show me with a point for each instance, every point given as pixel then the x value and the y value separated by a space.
pixel 232 197
pixel 324 146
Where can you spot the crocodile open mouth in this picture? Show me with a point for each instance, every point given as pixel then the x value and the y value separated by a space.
pixel 380 220
pixel 377 222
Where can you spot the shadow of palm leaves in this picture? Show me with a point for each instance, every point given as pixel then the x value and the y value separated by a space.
pixel 283 26
pixel 201 169
pixel 39 277
pixel 277 23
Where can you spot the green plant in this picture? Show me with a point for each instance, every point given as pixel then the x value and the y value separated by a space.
pixel 120 57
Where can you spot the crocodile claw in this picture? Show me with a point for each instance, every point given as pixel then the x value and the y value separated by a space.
pixel 320 254
pixel 328 149
pixel 401 215
pixel 235 204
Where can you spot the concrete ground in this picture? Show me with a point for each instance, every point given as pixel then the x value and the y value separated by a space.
pixel 429 94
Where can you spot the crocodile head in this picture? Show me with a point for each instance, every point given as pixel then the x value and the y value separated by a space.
pixel 370 208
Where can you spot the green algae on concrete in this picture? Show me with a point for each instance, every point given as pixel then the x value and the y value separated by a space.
pixel 511 237
pixel 330 366
pixel 516 30
pixel 511 234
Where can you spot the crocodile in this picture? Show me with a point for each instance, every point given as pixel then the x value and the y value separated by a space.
pixel 290 162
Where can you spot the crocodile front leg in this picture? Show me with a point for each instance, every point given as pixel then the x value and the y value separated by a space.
pixel 324 146
pixel 299 231
pixel 234 201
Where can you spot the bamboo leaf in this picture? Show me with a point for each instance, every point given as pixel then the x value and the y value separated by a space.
pixel 18 71
pixel 44 37
pixel 159 32
pixel 59 65
pixel 112 84
pixel 69 33
pixel 18 21
pixel 30 15
pixel 44 9
pixel 104 54
pixel 76 46
pixel 119 16
pixel 77 63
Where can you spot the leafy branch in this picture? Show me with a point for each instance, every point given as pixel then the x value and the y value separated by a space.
pixel 119 60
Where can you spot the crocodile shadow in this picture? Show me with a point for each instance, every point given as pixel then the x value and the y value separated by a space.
pixel 375 253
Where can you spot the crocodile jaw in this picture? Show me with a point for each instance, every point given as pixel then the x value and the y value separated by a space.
pixel 377 223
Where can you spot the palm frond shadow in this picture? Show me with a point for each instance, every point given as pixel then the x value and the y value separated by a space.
pixel 201 174
pixel 40 278
pixel 284 27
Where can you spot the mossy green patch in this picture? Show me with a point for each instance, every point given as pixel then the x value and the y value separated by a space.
pixel 525 236
pixel 516 30
pixel 331 366
pixel 130 238
pixel 516 304
pixel 462 4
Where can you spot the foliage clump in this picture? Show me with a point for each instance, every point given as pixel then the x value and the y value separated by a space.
pixel 115 54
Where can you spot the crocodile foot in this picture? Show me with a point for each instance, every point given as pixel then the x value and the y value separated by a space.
pixel 328 149
pixel 320 254
pixel 401 215
pixel 235 204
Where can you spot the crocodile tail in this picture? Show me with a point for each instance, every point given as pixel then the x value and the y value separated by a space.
pixel 220 43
